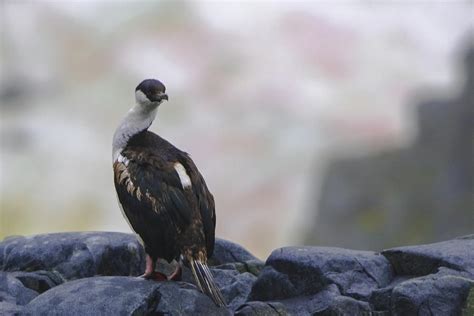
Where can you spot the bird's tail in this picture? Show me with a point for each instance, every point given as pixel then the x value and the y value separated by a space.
pixel 205 281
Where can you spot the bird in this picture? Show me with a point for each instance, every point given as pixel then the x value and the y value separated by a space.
pixel 162 194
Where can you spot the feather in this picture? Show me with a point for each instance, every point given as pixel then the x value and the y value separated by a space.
pixel 205 281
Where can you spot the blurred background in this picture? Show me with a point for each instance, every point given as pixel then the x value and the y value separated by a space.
pixel 315 122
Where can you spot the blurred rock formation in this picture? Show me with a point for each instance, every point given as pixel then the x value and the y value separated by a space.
pixel 422 193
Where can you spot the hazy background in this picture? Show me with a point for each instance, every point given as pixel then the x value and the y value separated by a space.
pixel 264 96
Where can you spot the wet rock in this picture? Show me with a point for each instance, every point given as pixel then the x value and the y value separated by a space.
pixel 457 254
pixel 74 255
pixel 296 271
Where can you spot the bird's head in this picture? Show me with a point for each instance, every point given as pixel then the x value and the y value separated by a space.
pixel 150 93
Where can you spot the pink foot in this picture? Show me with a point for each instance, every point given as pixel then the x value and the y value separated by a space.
pixel 157 276
pixel 150 273
pixel 176 275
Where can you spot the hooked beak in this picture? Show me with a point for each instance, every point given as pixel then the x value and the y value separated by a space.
pixel 160 97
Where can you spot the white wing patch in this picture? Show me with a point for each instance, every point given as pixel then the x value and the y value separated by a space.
pixel 183 175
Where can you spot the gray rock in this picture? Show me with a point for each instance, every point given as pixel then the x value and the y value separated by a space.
pixel 74 255
pixel 262 309
pixel 293 281
pixel 178 298
pixel 457 254
pixel 14 291
pixel 346 306
pixel 251 266
pixel 122 296
pixel 235 286
pixel 443 293
pixel 296 271
pixel 228 252
pixel 328 301
pixel 19 288
pixel 38 281
pixel 10 309
pixel 381 299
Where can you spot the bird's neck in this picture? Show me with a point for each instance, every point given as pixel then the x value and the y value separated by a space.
pixel 137 120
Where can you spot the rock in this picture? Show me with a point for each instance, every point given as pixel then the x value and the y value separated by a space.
pixel 122 296
pixel 228 252
pixel 328 301
pixel 13 291
pixel 19 288
pixel 74 255
pixel 296 271
pixel 381 298
pixel 343 305
pixel 39 281
pixel 457 254
pixel 9 309
pixel 60 274
pixel 252 266
pixel 178 298
pixel 99 295
pixel 235 286
pixel 443 293
pixel 469 308
pixel 262 309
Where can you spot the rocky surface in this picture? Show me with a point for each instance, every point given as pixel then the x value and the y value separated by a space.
pixel 74 255
pixel 95 274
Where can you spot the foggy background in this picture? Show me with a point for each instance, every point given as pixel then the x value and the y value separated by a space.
pixel 294 112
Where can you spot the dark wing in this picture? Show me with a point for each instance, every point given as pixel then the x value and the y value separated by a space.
pixel 205 202
pixel 152 198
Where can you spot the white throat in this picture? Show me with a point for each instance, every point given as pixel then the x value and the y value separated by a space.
pixel 138 119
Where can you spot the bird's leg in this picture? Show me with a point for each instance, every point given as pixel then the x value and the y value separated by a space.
pixel 176 275
pixel 150 272
pixel 149 269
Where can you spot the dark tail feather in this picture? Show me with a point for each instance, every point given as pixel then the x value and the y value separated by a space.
pixel 205 282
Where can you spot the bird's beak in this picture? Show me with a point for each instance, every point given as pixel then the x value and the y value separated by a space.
pixel 160 97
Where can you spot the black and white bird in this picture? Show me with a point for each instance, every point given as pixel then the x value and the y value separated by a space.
pixel 162 194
